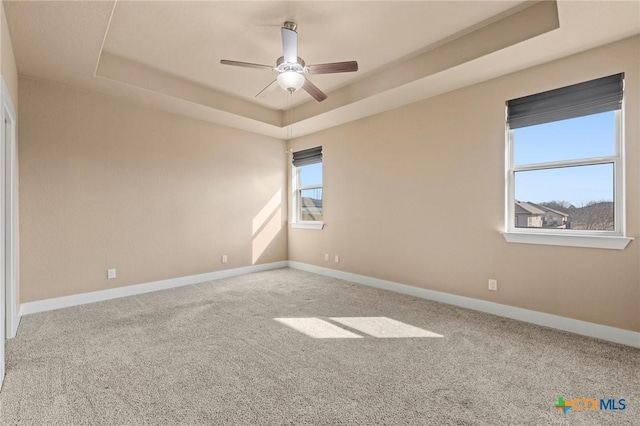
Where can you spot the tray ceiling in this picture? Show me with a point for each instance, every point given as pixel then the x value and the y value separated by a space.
pixel 167 54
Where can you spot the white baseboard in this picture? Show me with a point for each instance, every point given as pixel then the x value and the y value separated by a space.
pixel 132 290
pixel 612 334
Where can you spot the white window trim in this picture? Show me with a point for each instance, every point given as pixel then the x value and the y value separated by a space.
pixel 295 183
pixel 307 225
pixel 615 239
pixel 575 240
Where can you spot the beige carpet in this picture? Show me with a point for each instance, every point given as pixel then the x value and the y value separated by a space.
pixel 214 354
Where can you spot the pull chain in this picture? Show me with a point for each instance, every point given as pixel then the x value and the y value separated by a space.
pixel 289 116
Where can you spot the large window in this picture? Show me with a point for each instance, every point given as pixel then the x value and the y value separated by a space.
pixel 307 183
pixel 564 160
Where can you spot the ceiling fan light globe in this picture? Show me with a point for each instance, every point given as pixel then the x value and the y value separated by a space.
pixel 290 80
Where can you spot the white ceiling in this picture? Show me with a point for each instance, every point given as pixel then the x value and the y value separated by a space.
pixel 167 54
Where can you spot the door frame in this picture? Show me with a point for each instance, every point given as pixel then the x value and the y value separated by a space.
pixel 9 314
pixel 8 114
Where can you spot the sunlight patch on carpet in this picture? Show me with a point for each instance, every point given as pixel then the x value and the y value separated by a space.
pixel 317 328
pixel 381 327
pixel 384 327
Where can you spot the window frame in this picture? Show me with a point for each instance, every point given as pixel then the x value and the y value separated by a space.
pixel 569 237
pixel 297 200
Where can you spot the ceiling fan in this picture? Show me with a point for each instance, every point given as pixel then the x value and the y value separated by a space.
pixel 292 68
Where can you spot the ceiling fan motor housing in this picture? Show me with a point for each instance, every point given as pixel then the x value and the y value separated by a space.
pixel 283 66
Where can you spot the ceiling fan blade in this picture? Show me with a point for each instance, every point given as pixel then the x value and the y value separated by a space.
pixel 270 87
pixel 349 66
pixel 313 90
pixel 289 45
pixel 244 64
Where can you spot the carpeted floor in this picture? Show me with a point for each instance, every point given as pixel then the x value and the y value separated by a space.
pixel 213 354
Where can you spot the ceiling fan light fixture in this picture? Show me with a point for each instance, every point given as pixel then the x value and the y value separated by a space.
pixel 291 67
pixel 290 81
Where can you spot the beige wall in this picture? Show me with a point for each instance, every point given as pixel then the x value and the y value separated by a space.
pixel 416 196
pixel 107 184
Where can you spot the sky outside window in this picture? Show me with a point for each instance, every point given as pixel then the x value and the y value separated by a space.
pixel 578 185
pixel 311 175
pixel 589 136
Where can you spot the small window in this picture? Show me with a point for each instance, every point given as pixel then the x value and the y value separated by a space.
pixel 307 183
pixel 564 160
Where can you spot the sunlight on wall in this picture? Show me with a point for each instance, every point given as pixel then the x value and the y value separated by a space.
pixel 267 211
pixel 266 225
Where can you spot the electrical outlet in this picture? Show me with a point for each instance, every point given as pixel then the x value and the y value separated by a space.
pixel 111 274
pixel 337 258
pixel 326 257
pixel 493 285
pixel 225 259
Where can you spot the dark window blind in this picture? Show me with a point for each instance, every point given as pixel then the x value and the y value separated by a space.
pixel 591 97
pixel 307 156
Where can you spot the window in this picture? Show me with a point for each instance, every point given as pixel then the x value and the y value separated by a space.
pixel 564 163
pixel 307 184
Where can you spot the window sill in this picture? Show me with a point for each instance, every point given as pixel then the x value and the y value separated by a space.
pixel 588 241
pixel 308 225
